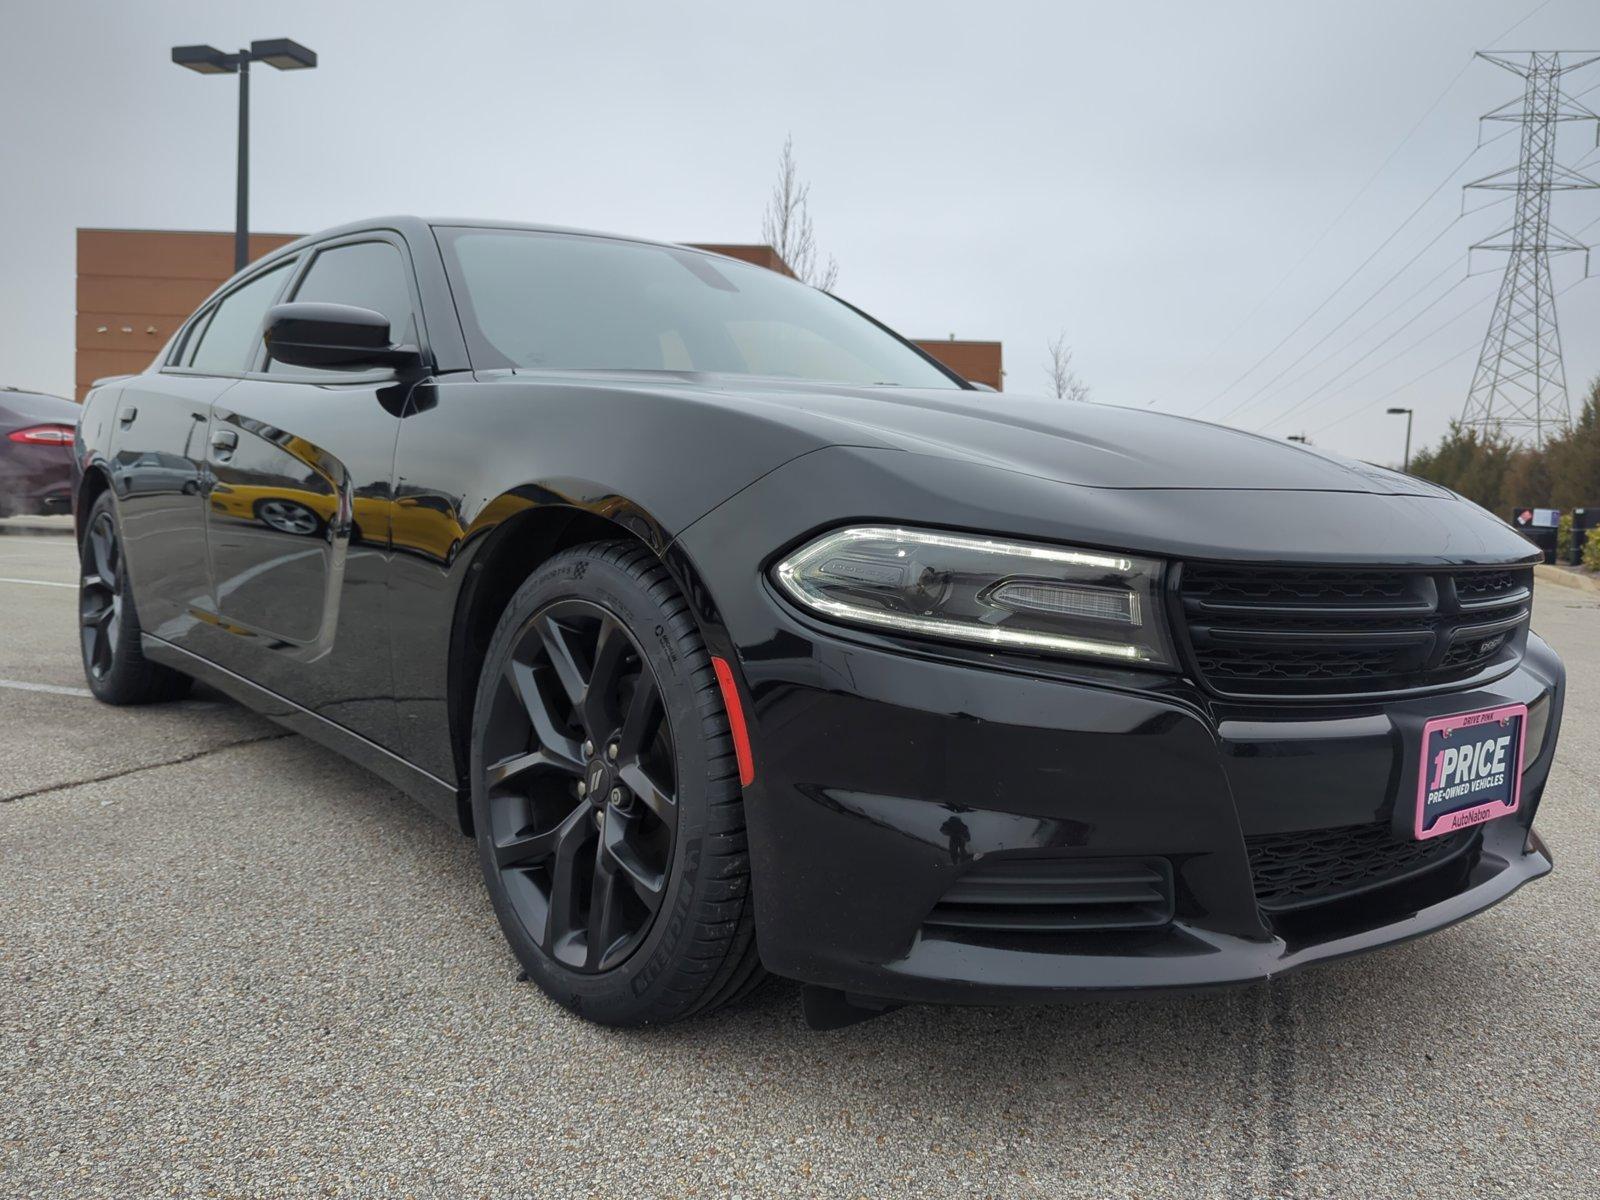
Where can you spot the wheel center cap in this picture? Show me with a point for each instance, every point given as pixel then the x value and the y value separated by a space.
pixel 596 776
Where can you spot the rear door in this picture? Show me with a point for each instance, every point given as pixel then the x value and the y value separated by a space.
pixel 158 454
pixel 298 512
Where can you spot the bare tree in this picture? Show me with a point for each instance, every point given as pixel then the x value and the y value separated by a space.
pixel 786 225
pixel 1064 381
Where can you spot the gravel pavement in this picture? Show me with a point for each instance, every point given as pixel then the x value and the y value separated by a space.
pixel 232 964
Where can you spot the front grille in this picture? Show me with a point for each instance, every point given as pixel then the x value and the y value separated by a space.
pixel 1323 631
pixel 1296 870
pixel 1054 896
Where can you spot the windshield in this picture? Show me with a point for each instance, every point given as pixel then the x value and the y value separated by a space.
pixel 569 302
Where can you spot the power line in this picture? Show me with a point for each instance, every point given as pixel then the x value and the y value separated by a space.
pixel 1326 359
pixel 1412 320
pixel 1266 388
pixel 1381 288
pixel 1348 279
pixel 1407 349
pixel 1362 190
pixel 1459 354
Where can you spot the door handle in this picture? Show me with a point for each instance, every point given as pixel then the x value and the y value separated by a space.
pixel 128 414
pixel 224 441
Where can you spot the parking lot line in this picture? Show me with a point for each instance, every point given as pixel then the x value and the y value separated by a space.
pixel 37 582
pixel 52 689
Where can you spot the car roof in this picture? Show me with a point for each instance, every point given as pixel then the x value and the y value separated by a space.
pixel 422 227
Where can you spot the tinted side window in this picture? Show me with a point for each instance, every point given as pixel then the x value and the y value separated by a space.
pixel 366 275
pixel 231 337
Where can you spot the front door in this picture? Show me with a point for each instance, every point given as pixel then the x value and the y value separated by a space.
pixel 158 455
pixel 298 510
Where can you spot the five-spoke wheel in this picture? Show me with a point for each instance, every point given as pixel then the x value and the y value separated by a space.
pixel 605 793
pixel 100 594
pixel 579 767
pixel 108 622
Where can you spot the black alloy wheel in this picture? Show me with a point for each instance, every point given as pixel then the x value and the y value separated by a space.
pixel 100 595
pixel 108 623
pixel 579 764
pixel 605 794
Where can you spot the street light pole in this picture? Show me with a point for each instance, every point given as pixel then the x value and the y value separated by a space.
pixel 1395 412
pixel 241 215
pixel 282 53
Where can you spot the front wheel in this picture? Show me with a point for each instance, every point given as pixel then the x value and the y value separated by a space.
pixel 288 516
pixel 108 624
pixel 605 794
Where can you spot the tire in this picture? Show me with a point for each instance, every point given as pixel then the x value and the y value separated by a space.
pixel 108 624
pixel 629 911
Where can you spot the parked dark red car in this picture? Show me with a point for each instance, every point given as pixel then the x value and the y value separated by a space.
pixel 36 434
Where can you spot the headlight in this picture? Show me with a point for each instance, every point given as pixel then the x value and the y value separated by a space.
pixel 1008 595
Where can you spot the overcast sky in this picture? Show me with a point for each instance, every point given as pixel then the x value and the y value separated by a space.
pixel 1140 175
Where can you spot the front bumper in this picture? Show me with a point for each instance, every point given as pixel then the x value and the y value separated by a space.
pixel 881 780
pixel 886 771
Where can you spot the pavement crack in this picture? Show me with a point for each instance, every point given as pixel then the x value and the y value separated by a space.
pixel 126 771
pixel 1283 1140
pixel 1265 1155
pixel 1252 1024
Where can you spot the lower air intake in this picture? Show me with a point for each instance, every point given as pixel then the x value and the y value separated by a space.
pixel 1297 870
pixel 1053 896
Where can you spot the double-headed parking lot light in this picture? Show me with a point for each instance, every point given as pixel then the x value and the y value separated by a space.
pixel 283 53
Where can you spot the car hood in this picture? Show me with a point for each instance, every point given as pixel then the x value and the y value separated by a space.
pixel 1091 445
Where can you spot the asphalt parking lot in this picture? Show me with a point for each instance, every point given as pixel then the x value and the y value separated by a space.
pixel 232 964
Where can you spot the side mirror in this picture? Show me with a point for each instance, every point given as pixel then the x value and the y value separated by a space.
pixel 334 335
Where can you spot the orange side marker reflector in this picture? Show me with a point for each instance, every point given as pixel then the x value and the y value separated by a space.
pixel 736 725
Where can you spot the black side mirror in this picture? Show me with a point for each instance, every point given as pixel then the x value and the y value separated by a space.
pixel 334 335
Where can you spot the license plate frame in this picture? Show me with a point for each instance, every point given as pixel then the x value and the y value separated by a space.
pixel 1441 772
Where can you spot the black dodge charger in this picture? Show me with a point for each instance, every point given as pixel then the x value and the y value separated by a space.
pixel 743 636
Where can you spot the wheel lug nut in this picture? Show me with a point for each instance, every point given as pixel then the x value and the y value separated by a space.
pixel 611 752
pixel 583 789
pixel 616 795
pixel 588 749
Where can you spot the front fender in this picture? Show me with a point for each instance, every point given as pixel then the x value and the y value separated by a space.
pixel 475 458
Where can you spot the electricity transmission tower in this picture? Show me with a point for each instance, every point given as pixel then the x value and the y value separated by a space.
pixel 1520 386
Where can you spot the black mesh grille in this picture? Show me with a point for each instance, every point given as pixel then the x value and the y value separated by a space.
pixel 1282 631
pixel 1295 870
pixel 1308 664
pixel 1292 585
pixel 1489 583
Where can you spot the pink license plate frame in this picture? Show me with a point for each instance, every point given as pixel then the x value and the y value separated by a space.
pixel 1440 771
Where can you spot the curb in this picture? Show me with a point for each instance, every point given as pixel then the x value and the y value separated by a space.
pixel 1545 573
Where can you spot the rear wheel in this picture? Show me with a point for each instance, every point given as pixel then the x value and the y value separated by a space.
pixel 606 801
pixel 108 623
